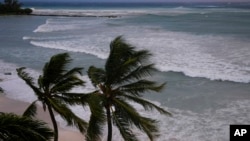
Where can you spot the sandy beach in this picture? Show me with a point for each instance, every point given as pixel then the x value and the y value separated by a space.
pixel 14 106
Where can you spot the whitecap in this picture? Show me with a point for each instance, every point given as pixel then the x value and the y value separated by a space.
pixel 210 56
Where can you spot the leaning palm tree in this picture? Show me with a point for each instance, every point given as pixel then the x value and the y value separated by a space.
pixel 122 81
pixel 22 128
pixel 51 88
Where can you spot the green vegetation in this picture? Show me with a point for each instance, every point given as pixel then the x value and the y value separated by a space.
pixel 13 7
pixel 14 127
pixel 122 82
pixel 51 89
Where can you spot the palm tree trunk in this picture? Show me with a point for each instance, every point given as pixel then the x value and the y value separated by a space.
pixel 52 116
pixel 109 138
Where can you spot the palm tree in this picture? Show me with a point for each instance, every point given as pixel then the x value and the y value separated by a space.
pixel 122 81
pixel 22 128
pixel 52 87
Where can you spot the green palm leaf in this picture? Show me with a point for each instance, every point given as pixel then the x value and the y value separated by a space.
pixel 138 73
pixel 135 62
pixel 73 72
pixel 56 80
pixel 97 119
pixel 126 77
pixel 141 86
pixel 55 68
pixel 67 84
pixel 146 104
pixel 120 52
pixel 28 80
pixel 123 127
pixel 96 75
pixel 64 111
pixel 31 110
pixel 131 116
pixel 14 127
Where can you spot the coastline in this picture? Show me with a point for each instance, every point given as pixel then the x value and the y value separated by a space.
pixel 17 107
pixel 203 104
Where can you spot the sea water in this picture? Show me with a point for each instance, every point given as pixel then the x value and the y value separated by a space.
pixel 202 51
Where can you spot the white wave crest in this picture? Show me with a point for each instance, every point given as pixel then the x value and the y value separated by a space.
pixel 209 56
pixel 49 27
pixel 70 46
pixel 192 55
pixel 86 13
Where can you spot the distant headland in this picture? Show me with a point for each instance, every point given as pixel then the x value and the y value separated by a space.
pixel 13 7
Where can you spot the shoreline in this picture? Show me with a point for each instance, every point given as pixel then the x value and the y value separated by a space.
pixel 9 105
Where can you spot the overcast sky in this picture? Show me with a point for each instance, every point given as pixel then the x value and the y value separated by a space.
pixel 143 0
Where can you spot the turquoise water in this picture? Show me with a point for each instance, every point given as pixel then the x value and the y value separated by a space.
pixel 202 52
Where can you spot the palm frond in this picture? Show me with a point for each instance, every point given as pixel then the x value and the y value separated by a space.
pixel 97 118
pixel 96 75
pixel 146 104
pixel 137 59
pixel 128 112
pixel 141 86
pixel 31 110
pixel 13 126
pixel 123 127
pixel 28 80
pixel 24 75
pixel 137 73
pixel 131 116
pixel 55 68
pixel 149 126
pixel 73 72
pixel 75 98
pixel 123 59
pixel 66 85
pixel 120 52
pixel 40 82
pixel 71 119
pixel 142 56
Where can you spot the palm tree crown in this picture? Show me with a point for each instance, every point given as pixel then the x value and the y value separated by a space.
pixel 22 128
pixel 124 79
pixel 52 87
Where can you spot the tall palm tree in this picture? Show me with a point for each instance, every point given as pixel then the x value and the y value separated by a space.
pixel 52 87
pixel 122 81
pixel 22 128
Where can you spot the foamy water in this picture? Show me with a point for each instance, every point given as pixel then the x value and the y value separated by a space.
pixel 214 57
pixel 119 12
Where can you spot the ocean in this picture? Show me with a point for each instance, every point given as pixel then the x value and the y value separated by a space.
pixel 201 50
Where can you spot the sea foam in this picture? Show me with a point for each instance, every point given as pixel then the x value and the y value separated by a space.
pixel 213 57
